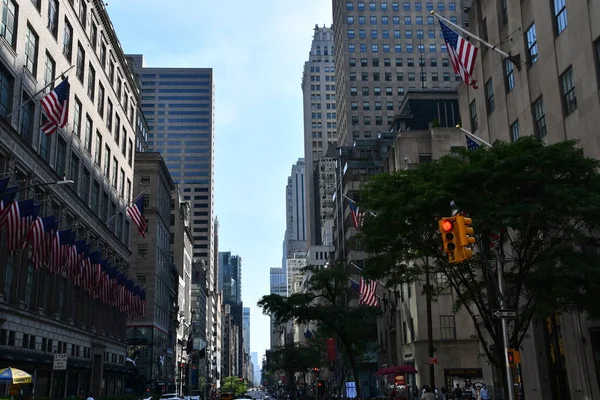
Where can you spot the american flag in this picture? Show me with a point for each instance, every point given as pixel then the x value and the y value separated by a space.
pixel 38 239
pixel 17 222
pixel 357 214
pixel 19 218
pixel 366 292
pixel 136 212
pixel 3 184
pixel 471 144
pixel 47 126
pixel 56 106
pixel 7 198
pixel 462 55
pixel 88 266
pixel 59 250
pixel 77 254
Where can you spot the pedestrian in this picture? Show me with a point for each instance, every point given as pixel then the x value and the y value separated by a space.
pixel 458 392
pixel 427 394
pixel 484 393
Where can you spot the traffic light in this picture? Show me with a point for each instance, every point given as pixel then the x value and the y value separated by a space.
pixel 514 357
pixel 452 247
pixel 465 235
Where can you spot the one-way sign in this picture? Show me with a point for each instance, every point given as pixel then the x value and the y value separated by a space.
pixel 504 313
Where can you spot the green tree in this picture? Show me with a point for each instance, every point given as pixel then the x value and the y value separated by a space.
pixel 325 304
pixel 292 358
pixel 234 384
pixel 536 214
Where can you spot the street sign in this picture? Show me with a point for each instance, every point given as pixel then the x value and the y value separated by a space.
pixel 433 360
pixel 505 313
pixel 60 362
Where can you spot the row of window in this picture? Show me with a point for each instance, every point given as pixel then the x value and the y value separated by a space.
pixel 317 78
pixel 318 88
pixel 386 48
pixel 373 20
pixel 406 6
pixel 318 69
pixel 317 106
pixel 318 115
pixel 396 34
pixel 398 62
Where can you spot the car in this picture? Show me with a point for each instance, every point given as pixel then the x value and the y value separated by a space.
pixel 170 396
pixel 226 396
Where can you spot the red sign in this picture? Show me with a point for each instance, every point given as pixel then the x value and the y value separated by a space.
pixel 433 360
pixel 400 379
pixel 331 349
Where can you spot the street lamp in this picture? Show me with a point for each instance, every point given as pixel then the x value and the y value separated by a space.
pixel 61 182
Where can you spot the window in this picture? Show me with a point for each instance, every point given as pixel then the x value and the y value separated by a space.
pixel 124 142
pixel 80 62
pixel 447 328
pixel 100 99
pixel 94 34
pixel 115 172
pixel 539 118
pixel 509 75
pixel 107 161
pixel 77 118
pixel 98 154
pixel 88 134
pixel 560 16
pixel 473 115
pixel 61 153
pixel 568 91
pixel 532 47
pixel 49 71
pixel 9 20
pixel 122 184
pixel 109 115
pixel 130 153
pixel 26 121
pixel 53 17
pixel 82 13
pixel 6 89
pixel 489 96
pixel 514 131
pixel 31 46
pixel 91 86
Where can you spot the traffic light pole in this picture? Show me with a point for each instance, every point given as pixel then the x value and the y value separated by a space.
pixel 509 380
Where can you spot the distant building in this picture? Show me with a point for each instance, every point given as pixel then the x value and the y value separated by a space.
pixel 295 227
pixel 278 285
pixel 151 340
pixel 246 330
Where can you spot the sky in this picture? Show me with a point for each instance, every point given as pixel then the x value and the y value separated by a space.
pixel 257 50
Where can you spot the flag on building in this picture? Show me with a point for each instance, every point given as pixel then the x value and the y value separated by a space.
pixel 135 211
pixel 471 144
pixel 367 292
pixel 4 184
pixel 462 55
pixel 17 221
pixel 47 126
pixel 7 198
pixel 56 107
pixel 39 239
pixel 357 214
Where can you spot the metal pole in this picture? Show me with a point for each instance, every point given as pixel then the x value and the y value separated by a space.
pixel 509 381
pixel 38 92
pixel 472 136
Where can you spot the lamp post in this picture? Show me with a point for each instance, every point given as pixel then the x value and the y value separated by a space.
pixel 60 183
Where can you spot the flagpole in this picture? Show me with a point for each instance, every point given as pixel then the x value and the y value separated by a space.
pixel 514 59
pixel 472 136
pixel 38 92
pixel 354 202
pixel 125 208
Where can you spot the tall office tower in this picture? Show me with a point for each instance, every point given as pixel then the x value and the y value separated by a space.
pixel 178 105
pixel 295 210
pixel 318 88
pixel 246 330
pixel 256 377
pixel 383 49
pixel 230 277
pixel 278 285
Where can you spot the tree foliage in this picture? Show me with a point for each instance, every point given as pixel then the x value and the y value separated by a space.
pixel 325 305
pixel 235 385
pixel 536 215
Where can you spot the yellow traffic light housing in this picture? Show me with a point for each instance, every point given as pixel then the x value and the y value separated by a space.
pixel 514 357
pixel 449 232
pixel 465 235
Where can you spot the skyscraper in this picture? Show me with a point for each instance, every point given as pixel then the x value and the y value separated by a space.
pixel 318 88
pixel 295 227
pixel 382 50
pixel 178 105
pixel 278 285
pixel 246 330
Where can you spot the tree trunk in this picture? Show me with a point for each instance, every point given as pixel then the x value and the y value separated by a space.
pixel 354 368
pixel 428 290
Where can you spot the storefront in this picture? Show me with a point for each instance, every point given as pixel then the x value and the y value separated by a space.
pixel 467 378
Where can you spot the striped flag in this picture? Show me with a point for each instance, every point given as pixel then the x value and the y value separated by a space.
pixel 47 126
pixel 7 198
pixel 56 107
pixel 58 251
pixel 38 239
pixel 462 55
pixel 366 292
pixel 358 215
pixel 17 221
pixel 135 211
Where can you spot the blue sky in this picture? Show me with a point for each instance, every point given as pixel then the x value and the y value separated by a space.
pixel 257 50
